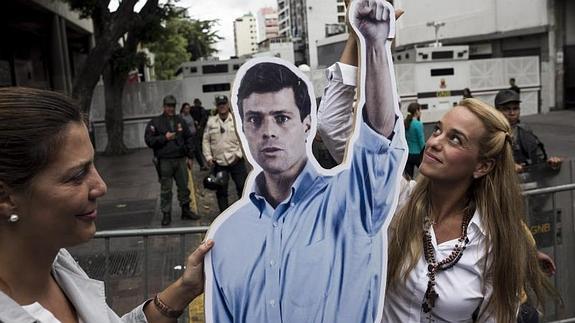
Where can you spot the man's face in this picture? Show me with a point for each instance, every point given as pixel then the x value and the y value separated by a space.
pixel 223 109
pixel 511 112
pixel 170 109
pixel 275 132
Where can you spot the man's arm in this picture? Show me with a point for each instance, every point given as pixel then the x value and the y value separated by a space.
pixel 153 137
pixel 335 114
pixel 206 148
pixel 374 23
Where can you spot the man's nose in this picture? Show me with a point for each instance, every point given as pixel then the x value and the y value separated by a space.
pixel 269 128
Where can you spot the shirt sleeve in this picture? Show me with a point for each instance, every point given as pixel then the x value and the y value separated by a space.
pixel 375 176
pixel 335 114
pixel 220 311
pixel 206 149
pixel 135 316
pixel 152 136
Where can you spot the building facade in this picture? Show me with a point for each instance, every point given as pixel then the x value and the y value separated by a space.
pixel 43 44
pixel 267 20
pixel 245 35
pixel 307 21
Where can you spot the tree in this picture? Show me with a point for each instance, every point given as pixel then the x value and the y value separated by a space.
pixel 183 39
pixel 202 39
pixel 126 58
pixel 109 27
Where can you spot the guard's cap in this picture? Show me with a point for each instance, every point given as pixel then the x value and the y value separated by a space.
pixel 221 99
pixel 170 100
pixel 506 96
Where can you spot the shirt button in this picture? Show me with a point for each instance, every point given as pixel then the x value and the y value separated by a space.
pixel 275 224
pixel 272 303
pixel 272 263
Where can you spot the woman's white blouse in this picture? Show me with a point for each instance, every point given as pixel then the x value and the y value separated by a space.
pixel 461 288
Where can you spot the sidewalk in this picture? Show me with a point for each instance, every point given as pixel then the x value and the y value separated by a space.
pixel 133 198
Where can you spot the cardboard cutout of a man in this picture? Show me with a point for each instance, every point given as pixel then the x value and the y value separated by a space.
pixel 305 244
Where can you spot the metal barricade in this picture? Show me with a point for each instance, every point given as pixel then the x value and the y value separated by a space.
pixel 552 223
pixel 551 220
pixel 136 264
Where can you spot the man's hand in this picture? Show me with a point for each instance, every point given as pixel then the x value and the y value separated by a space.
pixel 190 163
pixel 372 19
pixel 210 162
pixel 170 135
pixel 554 162
pixel 519 168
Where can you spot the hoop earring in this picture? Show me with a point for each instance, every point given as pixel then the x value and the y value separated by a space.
pixel 13 218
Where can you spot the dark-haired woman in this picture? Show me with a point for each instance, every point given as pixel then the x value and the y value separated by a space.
pixel 49 189
pixel 415 138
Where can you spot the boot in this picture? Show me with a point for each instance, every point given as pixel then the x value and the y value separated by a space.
pixel 166 219
pixel 187 214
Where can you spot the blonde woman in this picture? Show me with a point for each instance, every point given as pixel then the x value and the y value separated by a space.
pixel 458 249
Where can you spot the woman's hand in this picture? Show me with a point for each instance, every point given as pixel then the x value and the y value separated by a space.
pixel 193 277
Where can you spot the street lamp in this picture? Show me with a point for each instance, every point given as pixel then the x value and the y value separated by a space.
pixel 436 25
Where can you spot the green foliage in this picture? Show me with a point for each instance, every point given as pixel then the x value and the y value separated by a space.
pixel 183 39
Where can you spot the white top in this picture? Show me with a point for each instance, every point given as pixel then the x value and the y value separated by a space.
pixel 461 288
pixel 40 313
pixel 37 311
pixel 221 142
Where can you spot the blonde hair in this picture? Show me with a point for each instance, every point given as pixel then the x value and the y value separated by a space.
pixel 497 196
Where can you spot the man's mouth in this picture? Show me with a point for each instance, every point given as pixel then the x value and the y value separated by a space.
pixel 270 150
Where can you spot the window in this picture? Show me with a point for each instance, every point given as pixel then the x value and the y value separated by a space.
pixel 341 19
pixel 217 87
pixel 216 68
pixel 442 71
pixel 193 69
pixel 444 54
pixel 237 66
pixel 340 9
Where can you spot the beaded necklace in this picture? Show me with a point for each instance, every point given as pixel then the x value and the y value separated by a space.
pixel 434 266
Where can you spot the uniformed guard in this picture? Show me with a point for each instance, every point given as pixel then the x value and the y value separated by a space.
pixel 173 145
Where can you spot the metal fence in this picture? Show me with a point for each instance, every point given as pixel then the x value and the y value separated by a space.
pixel 551 219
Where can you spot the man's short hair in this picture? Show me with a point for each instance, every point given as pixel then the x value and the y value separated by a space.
pixel 271 77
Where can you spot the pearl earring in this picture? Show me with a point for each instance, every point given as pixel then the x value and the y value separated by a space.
pixel 13 218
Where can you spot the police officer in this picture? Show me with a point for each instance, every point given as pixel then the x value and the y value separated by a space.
pixel 527 149
pixel 172 142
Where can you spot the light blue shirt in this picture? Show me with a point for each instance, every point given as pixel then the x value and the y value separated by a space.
pixel 316 257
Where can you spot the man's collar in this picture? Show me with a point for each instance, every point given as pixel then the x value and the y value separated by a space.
pixel 297 191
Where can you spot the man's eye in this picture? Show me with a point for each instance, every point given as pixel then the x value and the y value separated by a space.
pixel 253 120
pixel 282 119
pixel 436 130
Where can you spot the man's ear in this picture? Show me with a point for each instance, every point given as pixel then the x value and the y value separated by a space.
pixel 483 167
pixel 307 123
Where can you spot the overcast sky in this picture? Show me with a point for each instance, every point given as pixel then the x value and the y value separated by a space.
pixel 226 11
